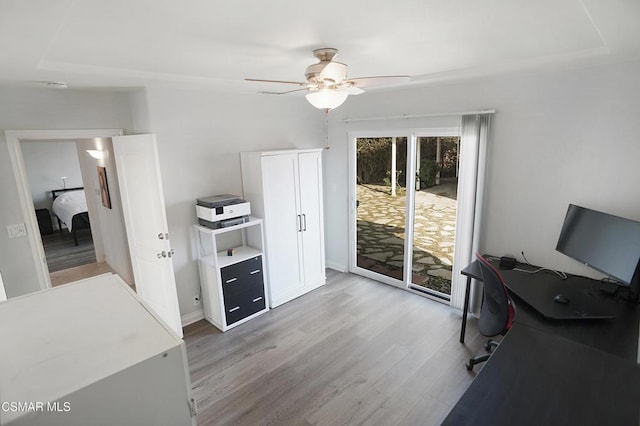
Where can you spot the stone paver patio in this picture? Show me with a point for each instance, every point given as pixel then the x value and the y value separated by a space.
pixel 380 219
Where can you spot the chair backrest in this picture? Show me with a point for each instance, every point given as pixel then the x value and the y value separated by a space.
pixel 497 311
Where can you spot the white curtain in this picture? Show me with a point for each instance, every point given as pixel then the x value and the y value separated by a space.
pixel 3 295
pixel 473 149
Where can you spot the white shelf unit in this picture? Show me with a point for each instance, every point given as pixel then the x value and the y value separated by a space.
pixel 233 287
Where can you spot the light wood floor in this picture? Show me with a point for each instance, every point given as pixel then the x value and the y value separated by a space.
pixel 79 272
pixel 352 352
pixel 62 253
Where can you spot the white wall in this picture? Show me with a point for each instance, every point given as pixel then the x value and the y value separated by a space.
pixel 200 135
pixel 558 137
pixel 23 108
pixel 107 225
pixel 46 163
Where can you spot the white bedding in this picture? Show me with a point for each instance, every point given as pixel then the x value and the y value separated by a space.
pixel 69 204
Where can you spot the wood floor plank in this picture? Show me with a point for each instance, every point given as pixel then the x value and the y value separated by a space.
pixel 352 352
pixel 62 253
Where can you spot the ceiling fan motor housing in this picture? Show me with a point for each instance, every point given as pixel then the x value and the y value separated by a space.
pixel 326 72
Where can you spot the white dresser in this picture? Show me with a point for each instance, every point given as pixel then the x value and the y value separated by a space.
pixel 90 353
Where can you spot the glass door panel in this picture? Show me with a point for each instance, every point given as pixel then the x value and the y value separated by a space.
pixel 381 165
pixel 435 201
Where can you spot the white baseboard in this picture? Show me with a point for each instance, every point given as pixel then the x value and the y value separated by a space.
pixel 192 317
pixel 337 266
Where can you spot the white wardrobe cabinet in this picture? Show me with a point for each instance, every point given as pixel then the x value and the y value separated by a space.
pixel 285 189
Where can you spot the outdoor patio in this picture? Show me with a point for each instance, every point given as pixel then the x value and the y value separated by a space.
pixel 380 220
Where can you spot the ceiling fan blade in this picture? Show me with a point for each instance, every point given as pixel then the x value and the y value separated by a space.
pixel 381 80
pixel 350 89
pixel 334 71
pixel 275 81
pixel 264 92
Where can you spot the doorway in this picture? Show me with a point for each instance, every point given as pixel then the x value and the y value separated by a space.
pixel 403 229
pixel 136 188
pixel 82 139
pixel 57 190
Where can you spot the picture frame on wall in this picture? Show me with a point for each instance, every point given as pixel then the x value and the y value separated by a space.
pixel 104 187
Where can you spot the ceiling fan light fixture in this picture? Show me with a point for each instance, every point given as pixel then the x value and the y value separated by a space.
pixel 327 99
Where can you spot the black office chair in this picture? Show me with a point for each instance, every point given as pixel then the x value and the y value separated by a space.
pixel 497 312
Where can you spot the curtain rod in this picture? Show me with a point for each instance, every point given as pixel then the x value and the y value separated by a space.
pixel 407 116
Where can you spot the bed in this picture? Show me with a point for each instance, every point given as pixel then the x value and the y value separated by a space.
pixel 70 208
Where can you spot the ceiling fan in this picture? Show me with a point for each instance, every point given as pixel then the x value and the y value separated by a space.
pixel 327 81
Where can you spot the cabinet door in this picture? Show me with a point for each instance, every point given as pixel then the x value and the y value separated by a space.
pixel 282 225
pixel 311 207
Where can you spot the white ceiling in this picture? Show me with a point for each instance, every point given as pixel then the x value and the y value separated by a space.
pixel 217 43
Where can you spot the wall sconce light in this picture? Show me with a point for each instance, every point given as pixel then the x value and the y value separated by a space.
pixel 98 154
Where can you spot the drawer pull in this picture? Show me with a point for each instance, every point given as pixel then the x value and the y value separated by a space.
pixel 231 280
pixel 255 272
pixel 257 299
pixel 234 309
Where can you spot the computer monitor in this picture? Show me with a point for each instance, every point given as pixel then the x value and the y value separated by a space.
pixel 607 243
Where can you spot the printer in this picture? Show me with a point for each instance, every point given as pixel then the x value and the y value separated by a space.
pixel 221 211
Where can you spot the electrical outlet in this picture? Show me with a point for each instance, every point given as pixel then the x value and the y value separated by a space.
pixel 16 231
pixel 196 301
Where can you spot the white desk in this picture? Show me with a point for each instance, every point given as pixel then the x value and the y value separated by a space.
pixel 90 353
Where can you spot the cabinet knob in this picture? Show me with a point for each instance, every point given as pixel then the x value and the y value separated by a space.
pixel 162 254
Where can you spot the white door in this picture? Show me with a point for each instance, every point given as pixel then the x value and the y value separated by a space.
pixel 285 226
pixel 136 159
pixel 310 172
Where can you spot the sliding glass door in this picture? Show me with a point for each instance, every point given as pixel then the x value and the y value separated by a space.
pixel 404 228
pixel 434 213
pixel 380 186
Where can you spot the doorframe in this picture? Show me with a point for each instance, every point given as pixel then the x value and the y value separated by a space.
pixel 412 135
pixel 14 137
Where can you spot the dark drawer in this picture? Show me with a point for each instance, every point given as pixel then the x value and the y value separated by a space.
pixel 242 276
pixel 241 305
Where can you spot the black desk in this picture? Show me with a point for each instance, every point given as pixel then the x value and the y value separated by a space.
pixel 471 271
pixel 618 335
pixel 556 372
pixel 539 289
pixel 536 378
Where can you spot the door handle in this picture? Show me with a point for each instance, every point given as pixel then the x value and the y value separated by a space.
pixel 299 223
pixel 171 253
pixel 304 218
pixel 162 254
pixel 162 236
